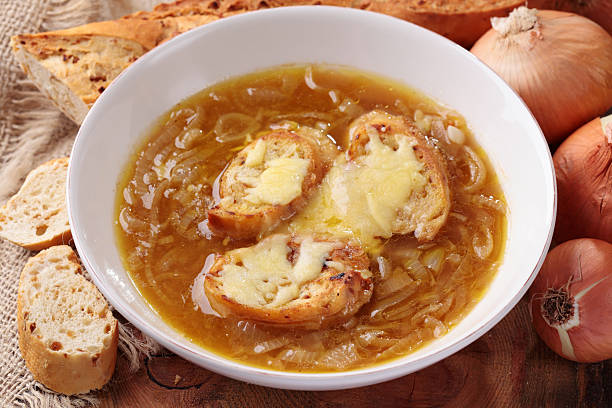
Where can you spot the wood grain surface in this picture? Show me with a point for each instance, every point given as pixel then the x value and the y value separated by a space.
pixel 508 367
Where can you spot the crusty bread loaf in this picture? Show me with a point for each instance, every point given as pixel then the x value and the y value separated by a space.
pixel 67 333
pixel 340 283
pixel 74 66
pixel 36 217
pixel 426 210
pixel 266 182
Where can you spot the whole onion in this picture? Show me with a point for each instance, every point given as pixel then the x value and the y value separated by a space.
pixel 559 63
pixel 583 164
pixel 600 11
pixel 571 300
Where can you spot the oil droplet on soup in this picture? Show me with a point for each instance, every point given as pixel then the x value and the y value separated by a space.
pixel 421 290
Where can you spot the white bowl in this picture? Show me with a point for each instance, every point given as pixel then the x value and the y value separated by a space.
pixel 501 123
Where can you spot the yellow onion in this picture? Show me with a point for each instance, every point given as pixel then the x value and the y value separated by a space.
pixel 600 11
pixel 571 301
pixel 559 63
pixel 583 164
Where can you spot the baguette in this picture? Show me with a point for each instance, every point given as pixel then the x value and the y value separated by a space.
pixel 67 333
pixel 73 67
pixel 36 217
pixel 267 282
pixel 266 182
pixel 426 210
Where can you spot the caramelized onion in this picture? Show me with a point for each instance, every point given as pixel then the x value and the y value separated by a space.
pixel 396 282
pixel 488 201
pixel 400 312
pixel 410 342
pixel 434 258
pixel 310 83
pixel 477 170
pixel 375 339
pixel 269 345
pixel 438 131
pixel 570 305
pixel 384 267
pixel 234 126
pixel 322 116
pixel 130 223
pixel 482 243
pixel 439 328
pixel 340 357
pixel 379 306
pixel 299 356
pixel 153 284
pixel 417 270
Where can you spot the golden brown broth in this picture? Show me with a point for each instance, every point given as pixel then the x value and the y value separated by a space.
pixel 164 245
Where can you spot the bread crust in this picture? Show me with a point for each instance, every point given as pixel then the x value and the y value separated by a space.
pixel 460 21
pixel 36 217
pixel 427 211
pixel 66 373
pixel 330 299
pixel 233 218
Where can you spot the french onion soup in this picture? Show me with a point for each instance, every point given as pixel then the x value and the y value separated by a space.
pixel 310 218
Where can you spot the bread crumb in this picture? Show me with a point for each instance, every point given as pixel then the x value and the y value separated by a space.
pixel 177 379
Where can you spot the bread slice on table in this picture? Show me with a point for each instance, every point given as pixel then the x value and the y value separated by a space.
pixel 266 182
pixel 74 66
pixel 426 209
pixel 295 281
pixel 36 217
pixel 67 333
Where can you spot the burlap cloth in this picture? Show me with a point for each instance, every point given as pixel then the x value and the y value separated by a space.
pixel 32 131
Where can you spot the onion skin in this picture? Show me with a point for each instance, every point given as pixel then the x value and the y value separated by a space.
pixel 562 68
pixel 600 11
pixel 583 164
pixel 585 264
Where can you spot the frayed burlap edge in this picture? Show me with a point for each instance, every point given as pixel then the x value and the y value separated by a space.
pixel 32 131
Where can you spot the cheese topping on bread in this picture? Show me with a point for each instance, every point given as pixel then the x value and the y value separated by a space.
pixel 299 281
pixel 360 198
pixel 265 183
pixel 280 182
pixel 262 275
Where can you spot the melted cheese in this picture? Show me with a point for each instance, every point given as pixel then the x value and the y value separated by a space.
pixel 261 275
pixel 256 155
pixel 359 199
pixel 280 181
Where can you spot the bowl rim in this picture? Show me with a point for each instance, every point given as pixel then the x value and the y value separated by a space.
pixel 369 375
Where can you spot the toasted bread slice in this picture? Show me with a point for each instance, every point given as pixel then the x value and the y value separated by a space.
pixel 426 209
pixel 67 333
pixel 297 281
pixel 265 183
pixel 36 217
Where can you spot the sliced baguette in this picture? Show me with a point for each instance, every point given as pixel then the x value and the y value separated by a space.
pixel 36 217
pixel 67 333
pixel 244 211
pixel 341 284
pixel 426 210
pixel 74 66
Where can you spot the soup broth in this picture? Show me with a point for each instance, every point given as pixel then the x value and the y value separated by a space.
pixel 421 290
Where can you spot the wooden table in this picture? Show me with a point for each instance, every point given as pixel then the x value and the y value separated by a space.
pixel 508 367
